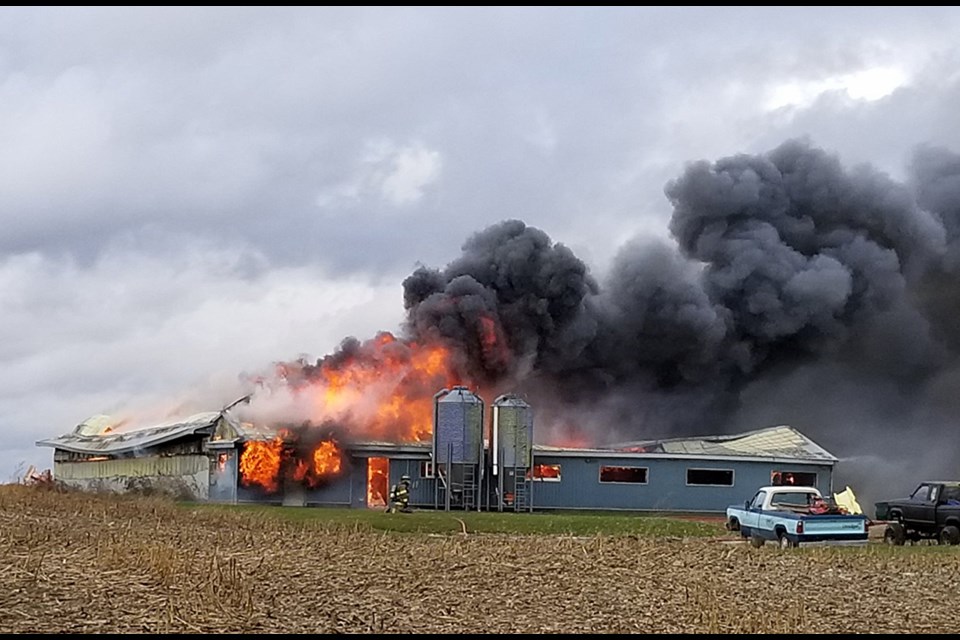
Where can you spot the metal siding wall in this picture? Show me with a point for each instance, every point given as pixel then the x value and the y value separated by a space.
pixel 747 478
pixel 358 482
pixel 351 487
pixel 142 467
pixel 181 476
pixel 580 487
pixel 255 494
pixel 825 480
pixel 223 482
pixel 335 492
pixel 421 489
pixel 666 488
pixel 423 492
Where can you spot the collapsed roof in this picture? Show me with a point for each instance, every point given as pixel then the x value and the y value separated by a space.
pixel 94 436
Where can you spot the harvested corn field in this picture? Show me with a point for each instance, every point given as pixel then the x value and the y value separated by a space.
pixel 81 563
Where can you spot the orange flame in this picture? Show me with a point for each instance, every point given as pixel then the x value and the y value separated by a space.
pixel 260 463
pixel 378 470
pixel 496 353
pixel 326 459
pixel 266 463
pixel 545 471
pixel 383 389
pixel 301 472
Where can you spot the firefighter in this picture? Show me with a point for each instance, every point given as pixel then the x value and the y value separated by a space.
pixel 400 496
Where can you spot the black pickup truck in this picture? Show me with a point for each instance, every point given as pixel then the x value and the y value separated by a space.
pixel 931 511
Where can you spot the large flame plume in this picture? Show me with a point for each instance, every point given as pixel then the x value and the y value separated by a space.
pixel 260 463
pixel 266 463
pixel 381 389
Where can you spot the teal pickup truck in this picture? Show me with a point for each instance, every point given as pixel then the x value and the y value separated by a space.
pixel 792 516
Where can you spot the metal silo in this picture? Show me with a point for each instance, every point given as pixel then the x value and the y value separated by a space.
pixel 458 446
pixel 512 451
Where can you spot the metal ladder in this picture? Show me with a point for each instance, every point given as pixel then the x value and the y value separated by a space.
pixel 520 493
pixel 469 488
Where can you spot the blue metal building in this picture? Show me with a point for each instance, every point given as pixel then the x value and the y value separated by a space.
pixel 684 475
pixel 200 457
pixel 691 474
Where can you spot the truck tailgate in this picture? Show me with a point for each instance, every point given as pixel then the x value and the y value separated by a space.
pixel 827 525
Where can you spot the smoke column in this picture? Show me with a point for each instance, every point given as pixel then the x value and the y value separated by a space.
pixel 798 292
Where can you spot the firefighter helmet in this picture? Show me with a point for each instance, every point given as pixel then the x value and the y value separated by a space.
pixel 404 478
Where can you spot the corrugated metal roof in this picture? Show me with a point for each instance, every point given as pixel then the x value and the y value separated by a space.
pixel 781 442
pixel 233 430
pixel 774 442
pixel 84 440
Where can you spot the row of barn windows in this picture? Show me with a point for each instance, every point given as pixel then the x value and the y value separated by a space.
pixel 638 475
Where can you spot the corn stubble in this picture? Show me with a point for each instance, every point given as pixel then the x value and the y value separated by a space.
pixel 73 562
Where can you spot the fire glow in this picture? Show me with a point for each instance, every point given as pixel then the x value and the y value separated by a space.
pixel 266 463
pixel 378 470
pixel 260 463
pixel 378 390
pixel 381 389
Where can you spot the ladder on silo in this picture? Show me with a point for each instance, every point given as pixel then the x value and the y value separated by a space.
pixel 521 494
pixel 469 487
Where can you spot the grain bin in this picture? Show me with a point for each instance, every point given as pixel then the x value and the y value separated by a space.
pixel 512 433
pixel 458 427
pixel 458 448
pixel 512 449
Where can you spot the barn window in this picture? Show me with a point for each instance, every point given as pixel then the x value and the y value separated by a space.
pixel 710 477
pixel 628 475
pixel 545 473
pixel 426 469
pixel 797 478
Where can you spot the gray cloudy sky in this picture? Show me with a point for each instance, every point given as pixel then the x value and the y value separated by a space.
pixel 187 194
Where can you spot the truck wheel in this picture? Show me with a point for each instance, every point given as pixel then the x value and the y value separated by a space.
pixel 949 535
pixel 784 541
pixel 756 541
pixel 733 524
pixel 894 534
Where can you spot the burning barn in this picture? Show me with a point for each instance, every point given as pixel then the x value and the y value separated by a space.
pixel 475 460
pixel 101 455
pixel 792 278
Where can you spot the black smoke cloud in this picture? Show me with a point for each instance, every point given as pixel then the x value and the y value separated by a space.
pixel 512 278
pixel 801 253
pixel 799 292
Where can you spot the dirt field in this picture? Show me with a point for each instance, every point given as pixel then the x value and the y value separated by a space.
pixel 73 563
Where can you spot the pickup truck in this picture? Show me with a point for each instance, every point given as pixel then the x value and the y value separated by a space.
pixel 932 511
pixel 794 515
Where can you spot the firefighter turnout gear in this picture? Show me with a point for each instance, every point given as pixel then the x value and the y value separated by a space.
pixel 400 496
